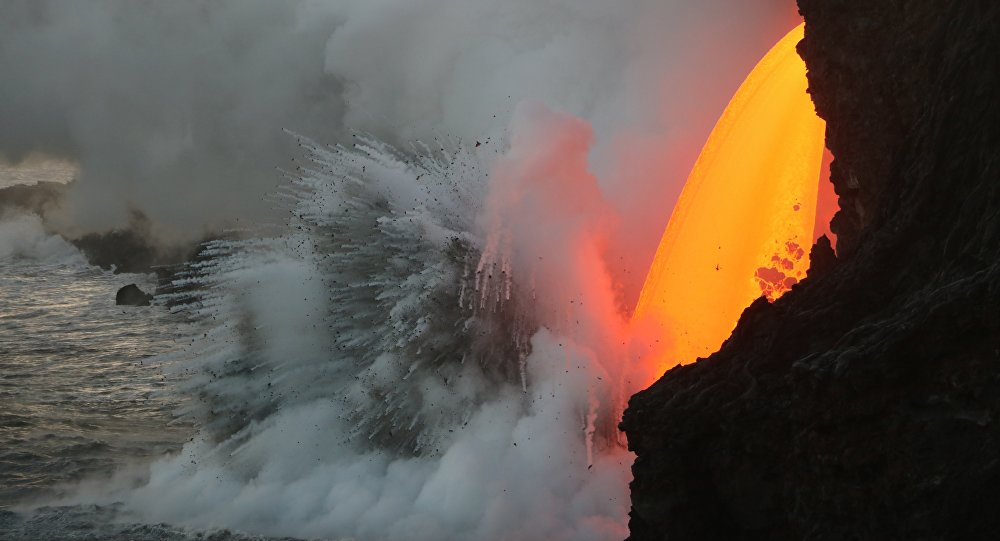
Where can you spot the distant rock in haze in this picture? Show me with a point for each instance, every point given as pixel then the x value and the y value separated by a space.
pixel 132 250
pixel 131 295
pixel 36 198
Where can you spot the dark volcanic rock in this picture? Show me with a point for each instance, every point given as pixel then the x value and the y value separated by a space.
pixel 129 249
pixel 133 249
pixel 864 404
pixel 131 295
pixel 125 250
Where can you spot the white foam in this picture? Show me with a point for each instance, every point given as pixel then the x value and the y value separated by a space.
pixel 23 236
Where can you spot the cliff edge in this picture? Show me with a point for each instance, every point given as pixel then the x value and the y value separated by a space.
pixel 865 403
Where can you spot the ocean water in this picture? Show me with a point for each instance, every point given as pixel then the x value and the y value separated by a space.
pixel 76 395
pixel 83 392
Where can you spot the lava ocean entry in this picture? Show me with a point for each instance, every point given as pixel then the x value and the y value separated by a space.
pixel 437 341
pixel 511 270
pixel 744 222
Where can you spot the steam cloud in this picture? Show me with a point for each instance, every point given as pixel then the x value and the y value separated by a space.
pixel 175 108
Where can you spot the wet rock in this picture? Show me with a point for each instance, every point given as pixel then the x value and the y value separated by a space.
pixel 862 404
pixel 131 295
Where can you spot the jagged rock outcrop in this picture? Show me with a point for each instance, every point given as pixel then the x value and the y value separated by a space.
pixel 864 404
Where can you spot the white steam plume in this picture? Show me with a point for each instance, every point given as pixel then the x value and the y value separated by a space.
pixel 171 108
pixel 174 108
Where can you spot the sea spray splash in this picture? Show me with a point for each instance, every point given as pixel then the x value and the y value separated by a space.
pixel 365 379
pixel 361 299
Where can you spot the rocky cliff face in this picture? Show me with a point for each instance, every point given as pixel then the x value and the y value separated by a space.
pixel 865 404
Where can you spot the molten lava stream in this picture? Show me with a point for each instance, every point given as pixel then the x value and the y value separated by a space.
pixel 743 224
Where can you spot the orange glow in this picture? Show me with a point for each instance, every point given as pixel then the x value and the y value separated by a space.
pixel 743 224
pixel 826 202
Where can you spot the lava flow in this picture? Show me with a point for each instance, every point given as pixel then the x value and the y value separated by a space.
pixel 743 224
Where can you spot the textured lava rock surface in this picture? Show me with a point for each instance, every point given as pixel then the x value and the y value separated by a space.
pixel 864 404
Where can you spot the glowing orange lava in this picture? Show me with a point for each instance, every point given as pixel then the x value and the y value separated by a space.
pixel 743 224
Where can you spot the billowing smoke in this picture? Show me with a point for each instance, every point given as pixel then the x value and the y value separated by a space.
pixel 175 108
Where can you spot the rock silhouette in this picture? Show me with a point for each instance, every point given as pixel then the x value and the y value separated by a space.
pixel 864 404
pixel 131 295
